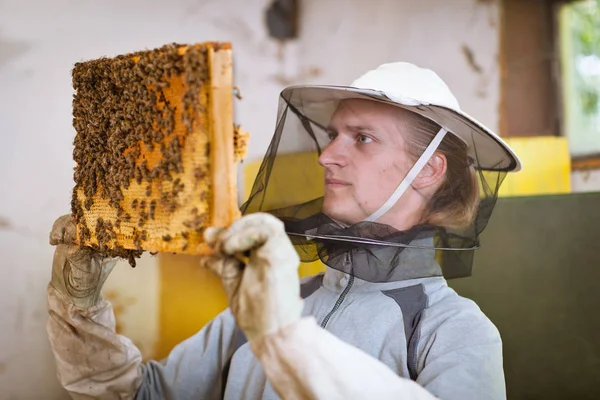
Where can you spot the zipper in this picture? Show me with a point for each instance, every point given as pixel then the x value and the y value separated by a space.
pixel 340 299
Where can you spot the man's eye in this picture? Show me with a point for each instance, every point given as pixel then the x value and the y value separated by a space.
pixel 364 139
pixel 331 135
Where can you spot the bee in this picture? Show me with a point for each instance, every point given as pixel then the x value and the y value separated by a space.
pixel 237 93
pixel 88 203
pixel 198 222
pixel 152 208
pixel 199 173
pixel 137 239
pixel 131 259
pixel 139 175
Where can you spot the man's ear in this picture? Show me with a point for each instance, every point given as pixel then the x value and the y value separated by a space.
pixel 433 172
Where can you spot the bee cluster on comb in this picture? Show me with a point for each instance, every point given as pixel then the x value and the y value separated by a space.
pixel 155 149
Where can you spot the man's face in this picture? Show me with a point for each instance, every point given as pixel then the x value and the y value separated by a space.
pixel 365 160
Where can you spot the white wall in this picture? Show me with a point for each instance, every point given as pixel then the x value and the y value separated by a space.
pixel 585 181
pixel 40 40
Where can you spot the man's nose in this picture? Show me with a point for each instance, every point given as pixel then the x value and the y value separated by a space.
pixel 334 154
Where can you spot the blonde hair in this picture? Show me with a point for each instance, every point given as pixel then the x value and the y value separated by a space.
pixel 455 203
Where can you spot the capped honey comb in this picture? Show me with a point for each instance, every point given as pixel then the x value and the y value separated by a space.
pixel 155 149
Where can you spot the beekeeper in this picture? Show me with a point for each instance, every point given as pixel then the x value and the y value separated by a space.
pixel 409 184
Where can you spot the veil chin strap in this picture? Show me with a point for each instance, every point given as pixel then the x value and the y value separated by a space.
pixel 410 177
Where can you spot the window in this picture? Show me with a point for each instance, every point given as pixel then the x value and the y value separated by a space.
pixel 579 36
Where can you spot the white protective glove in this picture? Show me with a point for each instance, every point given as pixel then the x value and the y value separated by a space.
pixel 78 273
pixel 263 293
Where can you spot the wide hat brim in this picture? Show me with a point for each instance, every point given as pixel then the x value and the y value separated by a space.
pixel 318 103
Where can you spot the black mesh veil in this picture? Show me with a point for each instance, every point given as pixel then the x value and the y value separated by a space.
pixel 290 185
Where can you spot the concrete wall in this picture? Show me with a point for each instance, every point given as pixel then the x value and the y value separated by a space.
pixel 585 181
pixel 40 40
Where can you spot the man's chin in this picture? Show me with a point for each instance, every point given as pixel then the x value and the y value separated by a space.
pixel 336 214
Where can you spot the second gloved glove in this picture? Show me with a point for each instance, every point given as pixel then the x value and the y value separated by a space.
pixel 264 294
pixel 78 273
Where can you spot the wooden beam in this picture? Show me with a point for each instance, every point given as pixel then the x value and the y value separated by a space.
pixel 224 208
pixel 527 59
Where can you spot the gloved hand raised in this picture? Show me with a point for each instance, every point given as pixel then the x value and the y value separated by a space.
pixel 264 294
pixel 78 273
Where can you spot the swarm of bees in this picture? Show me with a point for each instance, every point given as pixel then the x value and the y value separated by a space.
pixel 135 115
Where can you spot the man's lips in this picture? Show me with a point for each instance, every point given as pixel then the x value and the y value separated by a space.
pixel 336 182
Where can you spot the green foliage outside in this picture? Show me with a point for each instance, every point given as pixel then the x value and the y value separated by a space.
pixel 585 28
